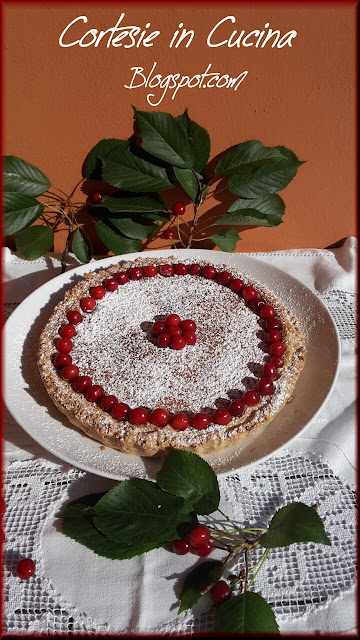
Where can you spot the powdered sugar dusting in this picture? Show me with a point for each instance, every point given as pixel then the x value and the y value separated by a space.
pixel 115 347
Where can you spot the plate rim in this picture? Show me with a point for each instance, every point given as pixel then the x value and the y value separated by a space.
pixel 216 258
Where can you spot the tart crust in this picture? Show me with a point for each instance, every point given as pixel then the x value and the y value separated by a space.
pixel 149 440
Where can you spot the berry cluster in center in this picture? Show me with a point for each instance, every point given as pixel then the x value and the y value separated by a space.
pixel 174 332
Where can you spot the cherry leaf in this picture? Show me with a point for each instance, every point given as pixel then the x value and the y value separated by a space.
pixel 77 524
pixel 188 475
pixel 34 241
pixel 247 613
pixel 197 582
pixel 295 522
pixel 137 511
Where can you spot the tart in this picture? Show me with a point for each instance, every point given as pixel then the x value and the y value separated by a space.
pixel 230 363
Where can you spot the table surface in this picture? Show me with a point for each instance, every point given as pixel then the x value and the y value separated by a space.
pixel 310 589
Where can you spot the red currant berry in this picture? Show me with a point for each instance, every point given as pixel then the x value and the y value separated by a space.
pixel 174 331
pixel 139 416
pixel 108 403
pixel 122 277
pixel 199 535
pixel 70 372
pixel 62 359
pixel 224 278
pixel 269 370
pixel 163 340
pixel 256 304
pixel 179 421
pixel 277 349
pixel 221 416
pixel 159 417
pixel 195 269
pixel 277 362
pixel 204 550
pixel 200 421
pixel 237 408
pixel 83 383
pixel 178 209
pixel 237 285
pixel 181 547
pixel 209 272
pixel 158 328
pixel 177 343
pixel 166 270
pixel 220 592
pixel 267 311
pixel 273 336
pixel 150 271
pixel 120 411
pixel 188 325
pixel 265 386
pixel 273 323
pixel 64 345
pixel 189 337
pixel 180 269
pixel 251 398
pixel 111 284
pixel 98 292
pixel 168 234
pixel 88 304
pixel 25 568
pixel 249 293
pixel 173 320
pixel 67 331
pixel 135 273
pixel 97 197
pixel 94 393
pixel 74 317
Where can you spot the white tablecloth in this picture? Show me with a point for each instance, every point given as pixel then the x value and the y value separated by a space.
pixel 311 588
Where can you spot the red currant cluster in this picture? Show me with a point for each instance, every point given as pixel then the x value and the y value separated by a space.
pixel 174 332
pixel 199 542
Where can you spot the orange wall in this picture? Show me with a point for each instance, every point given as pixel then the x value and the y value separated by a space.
pixel 60 101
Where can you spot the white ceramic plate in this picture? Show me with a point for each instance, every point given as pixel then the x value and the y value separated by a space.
pixel 32 408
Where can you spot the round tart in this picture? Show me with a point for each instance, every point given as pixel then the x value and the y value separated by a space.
pixel 158 354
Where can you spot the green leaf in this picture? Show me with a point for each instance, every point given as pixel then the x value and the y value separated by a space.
pixel 115 241
pixel 188 475
pixel 33 242
pixel 199 141
pixel 20 212
pixel 77 524
pixel 163 136
pixel 137 512
pixel 197 582
pixel 265 212
pixel 124 170
pixel 226 239
pixel 188 182
pixel 266 179
pixel 132 203
pixel 133 227
pixel 81 246
pixel 22 177
pixel 92 165
pixel 246 158
pixel 247 613
pixel 295 522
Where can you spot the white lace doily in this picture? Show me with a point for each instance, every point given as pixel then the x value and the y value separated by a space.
pixel 294 580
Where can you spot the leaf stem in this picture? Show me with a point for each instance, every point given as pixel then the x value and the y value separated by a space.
pixel 66 250
pixel 259 564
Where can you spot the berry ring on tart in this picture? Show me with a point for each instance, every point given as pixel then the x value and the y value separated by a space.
pixel 159 354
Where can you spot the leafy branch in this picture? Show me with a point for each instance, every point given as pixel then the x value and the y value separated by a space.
pixel 137 516
pixel 139 172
